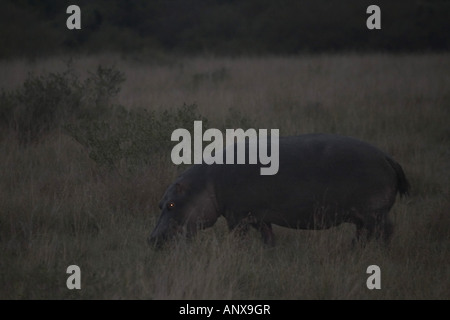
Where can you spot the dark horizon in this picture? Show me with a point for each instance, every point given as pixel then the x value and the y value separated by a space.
pixel 229 27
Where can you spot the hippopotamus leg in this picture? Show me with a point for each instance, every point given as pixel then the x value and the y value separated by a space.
pixel 373 225
pixel 241 227
pixel 266 232
pixel 383 227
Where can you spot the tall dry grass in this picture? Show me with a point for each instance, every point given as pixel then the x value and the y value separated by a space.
pixel 57 209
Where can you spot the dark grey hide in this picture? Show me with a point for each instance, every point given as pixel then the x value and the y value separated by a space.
pixel 323 180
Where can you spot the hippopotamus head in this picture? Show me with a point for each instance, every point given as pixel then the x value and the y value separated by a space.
pixel 187 206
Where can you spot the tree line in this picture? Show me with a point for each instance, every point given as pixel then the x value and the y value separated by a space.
pixel 233 27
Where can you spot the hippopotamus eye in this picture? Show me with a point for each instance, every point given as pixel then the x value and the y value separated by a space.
pixel 170 205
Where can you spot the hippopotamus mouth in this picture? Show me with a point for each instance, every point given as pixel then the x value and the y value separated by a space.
pixel 171 231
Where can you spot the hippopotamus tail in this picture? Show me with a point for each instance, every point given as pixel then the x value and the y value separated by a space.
pixel 402 182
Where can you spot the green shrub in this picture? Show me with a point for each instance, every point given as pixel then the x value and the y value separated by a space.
pixel 46 102
pixel 132 138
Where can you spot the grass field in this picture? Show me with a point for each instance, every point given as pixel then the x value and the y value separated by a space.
pixel 57 208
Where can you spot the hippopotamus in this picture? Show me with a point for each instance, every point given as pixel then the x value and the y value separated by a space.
pixel 324 180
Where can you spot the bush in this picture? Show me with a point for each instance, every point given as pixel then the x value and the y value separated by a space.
pixel 131 139
pixel 46 102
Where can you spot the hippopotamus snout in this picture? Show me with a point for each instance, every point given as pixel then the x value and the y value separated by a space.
pixel 165 229
pixel 156 240
pixel 168 228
